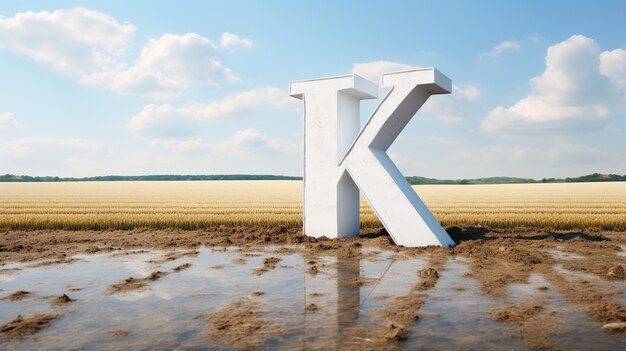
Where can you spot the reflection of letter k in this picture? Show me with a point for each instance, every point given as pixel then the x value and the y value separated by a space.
pixel 340 158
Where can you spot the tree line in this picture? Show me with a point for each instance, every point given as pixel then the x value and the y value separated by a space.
pixel 595 177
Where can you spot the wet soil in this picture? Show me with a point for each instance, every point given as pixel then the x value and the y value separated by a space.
pixel 182 267
pixel 18 295
pixel 241 325
pixel 268 264
pixel 61 301
pixel 536 324
pixel 585 271
pixel 23 326
pixel 118 333
pixel 132 283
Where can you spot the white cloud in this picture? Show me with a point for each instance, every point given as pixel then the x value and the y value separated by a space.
pixel 507 45
pixel 163 121
pixel 452 108
pixel 231 40
pixel 613 65
pixel 374 70
pixel 73 41
pixel 245 151
pixel 252 141
pixel 92 47
pixel 7 119
pixel 571 96
pixel 167 66
pixel 447 108
pixel 243 142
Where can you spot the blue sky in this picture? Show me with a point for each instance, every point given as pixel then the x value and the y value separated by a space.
pixel 186 87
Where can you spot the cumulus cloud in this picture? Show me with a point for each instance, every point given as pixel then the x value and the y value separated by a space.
pixel 242 142
pixel 73 41
pixel 573 95
pixel 231 40
pixel 452 108
pixel 251 140
pixel 496 51
pixel 613 65
pixel 166 66
pixel 7 119
pixel 168 121
pixel 92 46
pixel 447 108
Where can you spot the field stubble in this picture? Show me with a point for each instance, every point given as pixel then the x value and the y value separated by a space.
pixel 202 204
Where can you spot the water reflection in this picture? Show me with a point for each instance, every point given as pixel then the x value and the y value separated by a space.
pixel 348 294
pixel 335 291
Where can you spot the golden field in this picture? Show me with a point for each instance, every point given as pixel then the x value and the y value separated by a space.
pixel 201 204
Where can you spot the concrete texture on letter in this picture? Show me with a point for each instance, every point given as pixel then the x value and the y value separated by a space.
pixel 341 158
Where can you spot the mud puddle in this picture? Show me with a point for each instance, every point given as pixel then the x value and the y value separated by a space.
pixel 290 298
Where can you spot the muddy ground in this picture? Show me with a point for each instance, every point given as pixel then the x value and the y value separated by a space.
pixel 496 258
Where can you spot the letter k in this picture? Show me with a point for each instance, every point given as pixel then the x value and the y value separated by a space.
pixel 340 158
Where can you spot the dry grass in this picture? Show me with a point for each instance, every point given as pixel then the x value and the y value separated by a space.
pixel 194 205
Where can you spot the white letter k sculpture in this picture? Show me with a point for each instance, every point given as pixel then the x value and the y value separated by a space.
pixel 340 158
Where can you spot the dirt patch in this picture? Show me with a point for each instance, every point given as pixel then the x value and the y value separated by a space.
pixel 533 322
pixel 172 256
pixel 129 253
pixel 9 271
pixel 596 264
pixel 18 295
pixel 617 327
pixel 361 281
pixel 62 260
pixel 499 258
pixel 268 264
pixel 502 261
pixel 23 326
pixel 21 246
pixel 311 307
pixel 118 333
pixel 182 267
pixel 61 301
pixel 517 313
pixel 429 277
pixel 131 283
pixel 241 325
pixel 403 311
pixel 199 296
pixel 285 251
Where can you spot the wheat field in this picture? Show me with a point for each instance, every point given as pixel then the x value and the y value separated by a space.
pixel 204 204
